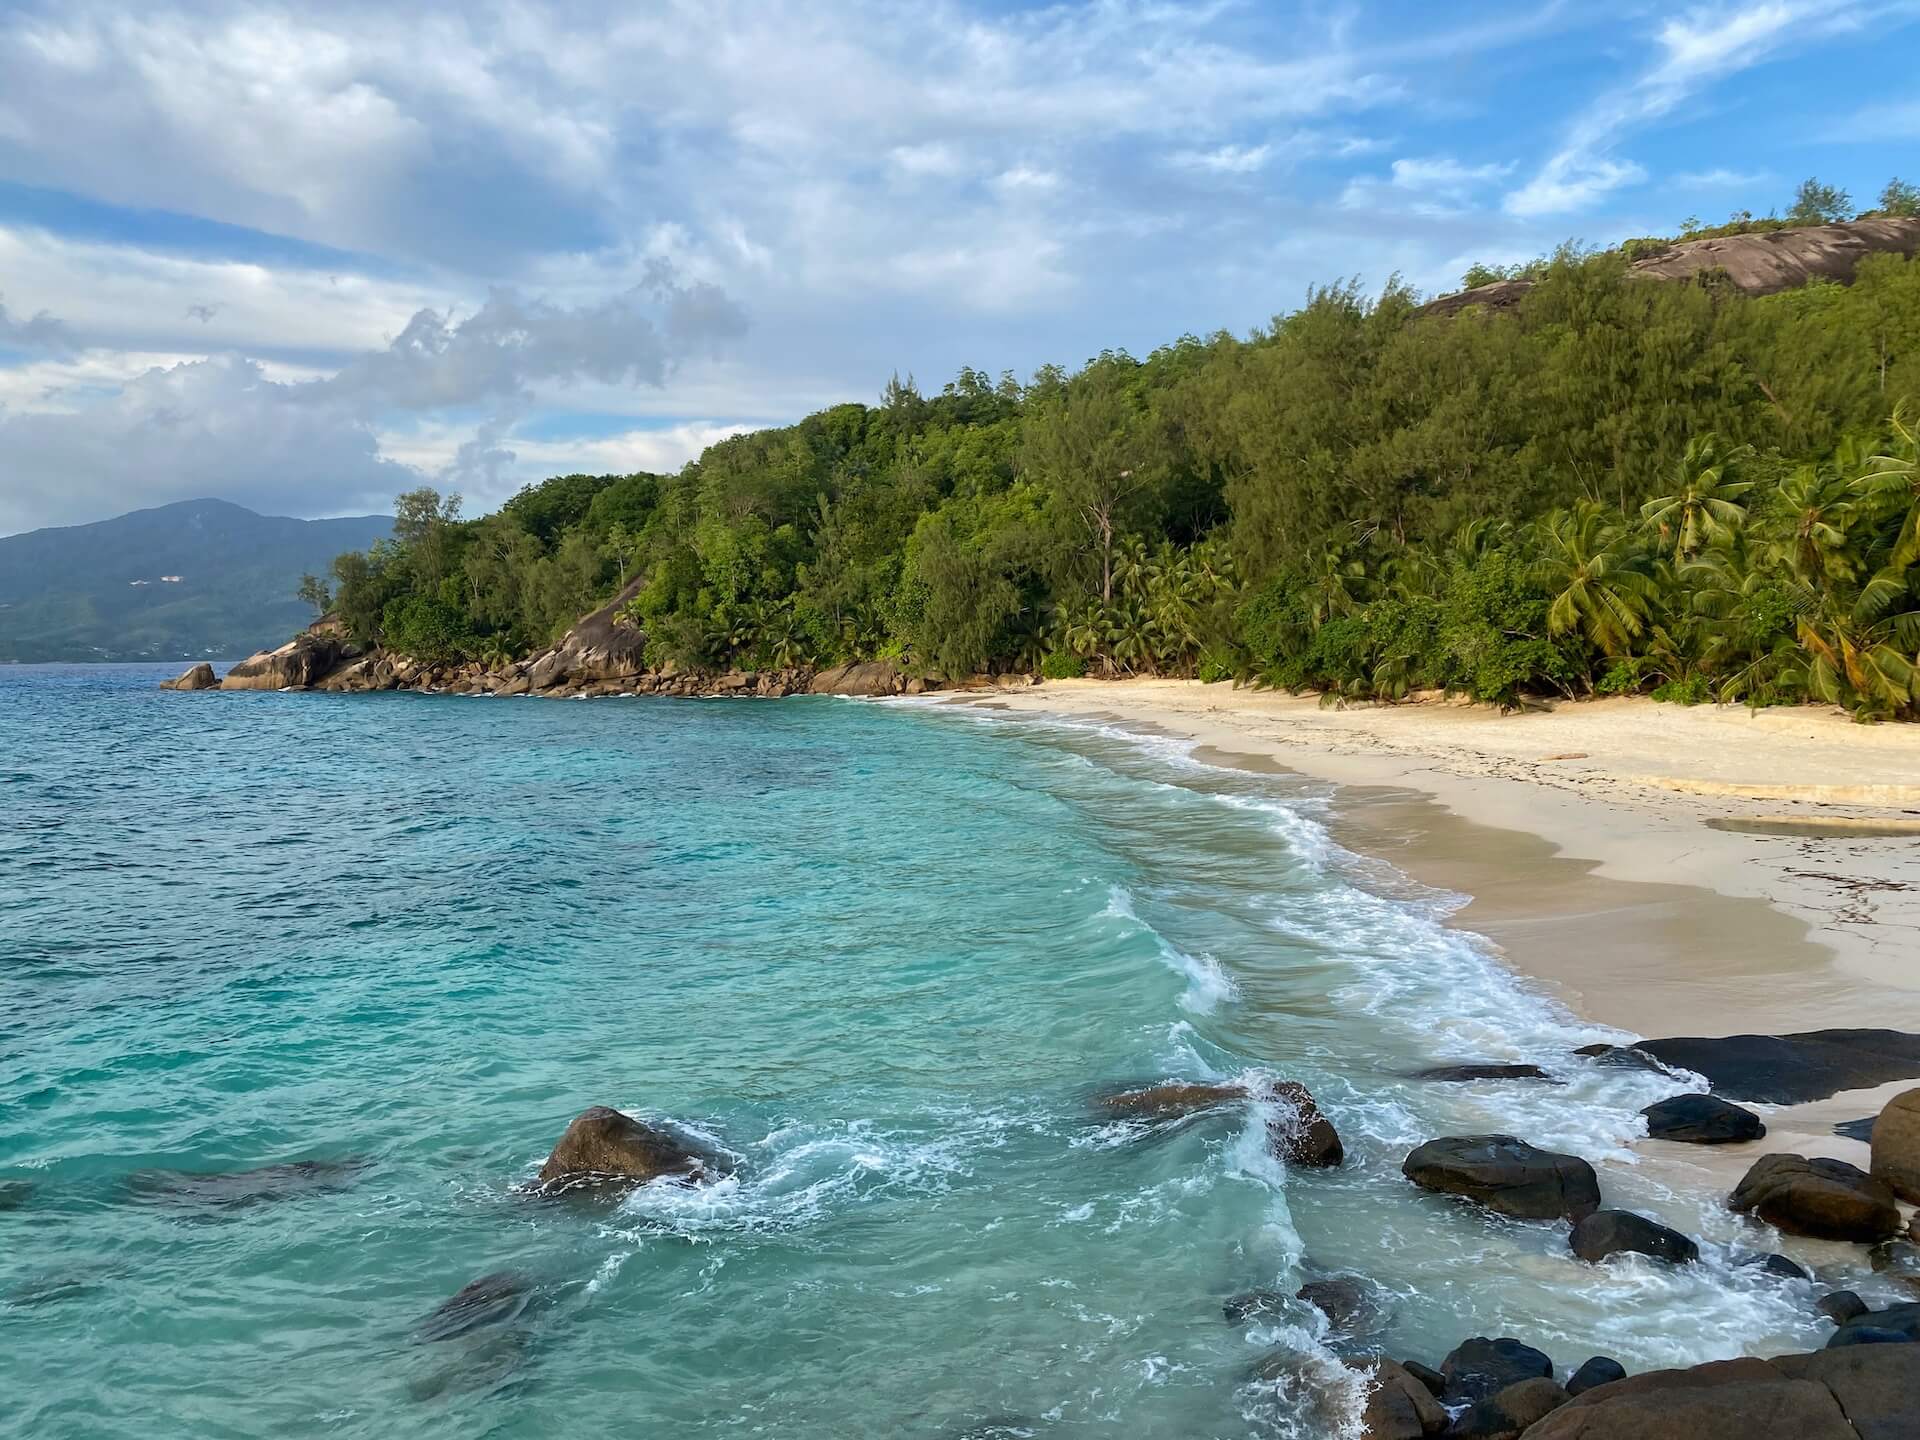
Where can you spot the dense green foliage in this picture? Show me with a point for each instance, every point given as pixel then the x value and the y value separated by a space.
pixel 197 580
pixel 1612 486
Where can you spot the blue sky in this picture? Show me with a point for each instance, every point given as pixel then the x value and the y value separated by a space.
pixel 302 256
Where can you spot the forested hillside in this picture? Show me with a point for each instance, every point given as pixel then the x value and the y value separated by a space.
pixel 186 581
pixel 1608 486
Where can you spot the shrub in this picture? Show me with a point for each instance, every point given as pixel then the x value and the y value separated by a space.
pixel 1062 665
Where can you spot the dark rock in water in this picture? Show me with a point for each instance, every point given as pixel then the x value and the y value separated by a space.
pixel 1822 1198
pixel 1506 1175
pixel 198 677
pixel 1460 1073
pixel 1172 1100
pixel 1861 1129
pixel 1896 1146
pixel 1864 1333
pixel 1793 1069
pixel 1480 1368
pixel 1777 1265
pixel 1343 1299
pixel 1301 1135
pixel 492 1300
pixel 1627 1057
pixel 1600 1370
pixel 1000 1427
pixel 489 1362
pixel 1902 1257
pixel 15 1195
pixel 61 1285
pixel 1297 1391
pixel 1435 1382
pixel 1841 1306
pixel 1869 1392
pixel 603 1148
pixel 238 1189
pixel 1250 1305
pixel 1901 1319
pixel 1702 1120
pixel 1399 1406
pixel 1609 1232
pixel 1506 1415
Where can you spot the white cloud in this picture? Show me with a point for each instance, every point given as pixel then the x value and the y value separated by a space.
pixel 1719 178
pixel 1226 159
pixel 1433 186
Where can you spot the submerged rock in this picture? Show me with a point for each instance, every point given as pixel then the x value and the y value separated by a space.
pixel 1702 1120
pixel 1612 1232
pixel 15 1194
pixel 237 1189
pixel 1174 1099
pixel 1896 1146
pixel 1626 1057
pixel 1346 1300
pixel 604 1148
pixel 1507 1176
pixel 1822 1198
pixel 496 1299
pixel 1793 1069
pixel 197 677
pixel 1459 1074
pixel 1480 1368
pixel 1251 1305
pixel 1776 1265
pixel 1598 1371
pixel 1299 1134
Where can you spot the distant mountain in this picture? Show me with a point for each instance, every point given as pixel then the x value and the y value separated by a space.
pixel 203 578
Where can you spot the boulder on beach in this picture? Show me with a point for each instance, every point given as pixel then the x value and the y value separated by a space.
pixel 1792 1069
pixel 601 645
pixel 1482 1367
pixel 1821 1198
pixel 1508 1176
pixel 1595 1372
pixel 1460 1074
pixel 1702 1120
pixel 198 677
pixel 860 677
pixel 1613 1232
pixel 1868 1392
pixel 604 1148
pixel 1299 1134
pixel 1896 1146
pixel 1398 1406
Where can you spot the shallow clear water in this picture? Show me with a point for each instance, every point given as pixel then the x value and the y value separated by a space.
pixel 886 956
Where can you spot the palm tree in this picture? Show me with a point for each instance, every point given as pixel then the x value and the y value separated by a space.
pixel 1703 506
pixel 1857 655
pixel 1895 477
pixel 1816 506
pixel 1588 571
pixel 1331 584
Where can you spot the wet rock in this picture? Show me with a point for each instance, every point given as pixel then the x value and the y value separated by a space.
pixel 1776 1265
pixel 1346 1300
pixel 1251 1305
pixel 1459 1074
pixel 1793 1069
pixel 1896 1146
pixel 1610 1232
pixel 1863 1393
pixel 1625 1057
pixel 496 1299
pixel 1867 1334
pixel 1399 1406
pixel 1702 1120
pixel 1600 1370
pixel 1823 1198
pixel 1299 1134
pixel 1435 1382
pixel 1480 1368
pixel 1508 1414
pixel 1172 1100
pixel 603 1148
pixel 1902 1319
pixel 15 1195
pixel 1508 1176
pixel 999 1427
pixel 238 1189
pixel 198 677
pixel 1841 1306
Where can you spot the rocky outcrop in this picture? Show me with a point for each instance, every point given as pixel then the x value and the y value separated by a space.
pixel 1612 1232
pixel 199 677
pixel 1507 1176
pixel 1702 1120
pixel 1821 1198
pixel 1856 1393
pixel 605 1149
pixel 1792 1069
pixel 602 645
pixel 1762 263
pixel 1398 1406
pixel 862 677
pixel 294 666
pixel 1896 1146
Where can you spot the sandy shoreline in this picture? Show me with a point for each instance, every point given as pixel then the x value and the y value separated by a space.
pixel 1582 835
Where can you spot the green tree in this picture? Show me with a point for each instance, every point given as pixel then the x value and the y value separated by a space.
pixel 314 591
pixel 1900 198
pixel 1817 204
pixel 1704 505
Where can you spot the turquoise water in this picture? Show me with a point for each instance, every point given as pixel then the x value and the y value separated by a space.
pixel 884 956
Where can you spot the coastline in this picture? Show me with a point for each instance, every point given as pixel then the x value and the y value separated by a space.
pixel 1580 843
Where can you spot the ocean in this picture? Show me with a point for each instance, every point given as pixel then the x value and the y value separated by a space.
pixel 297 991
